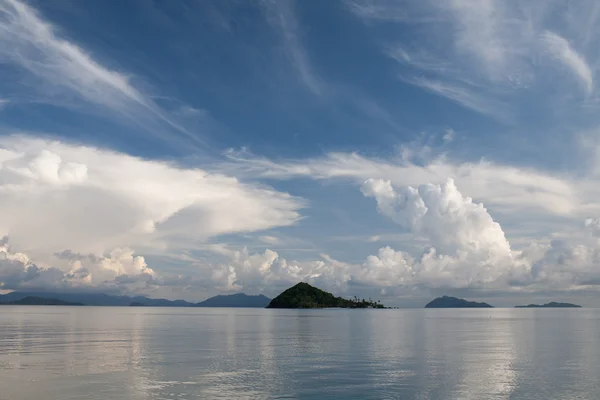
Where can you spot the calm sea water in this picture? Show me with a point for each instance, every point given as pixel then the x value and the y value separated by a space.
pixel 177 353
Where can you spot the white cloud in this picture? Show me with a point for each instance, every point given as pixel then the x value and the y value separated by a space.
pixel 560 48
pixel 468 245
pixel 35 45
pixel 56 196
pixel 382 10
pixel 490 55
pixel 467 249
pixel 593 225
pixel 489 32
pixel 260 271
pixel 280 14
pixel 465 96
pixel 449 135
pixel 506 189
pixel 18 271
pixel 269 239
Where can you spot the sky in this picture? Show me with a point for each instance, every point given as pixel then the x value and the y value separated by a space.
pixel 397 150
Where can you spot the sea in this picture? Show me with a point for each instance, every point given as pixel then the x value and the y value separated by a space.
pixel 138 353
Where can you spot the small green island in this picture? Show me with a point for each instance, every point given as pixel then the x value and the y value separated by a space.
pixel 454 302
pixel 552 304
pixel 303 295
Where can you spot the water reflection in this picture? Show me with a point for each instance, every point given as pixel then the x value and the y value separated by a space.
pixel 152 353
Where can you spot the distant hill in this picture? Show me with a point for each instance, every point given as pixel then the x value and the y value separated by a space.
pixel 136 304
pixel 550 305
pixel 453 302
pixel 40 301
pixel 235 300
pixel 95 299
pixel 303 295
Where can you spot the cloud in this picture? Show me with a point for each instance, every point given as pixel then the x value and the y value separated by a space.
pixel 56 196
pixel 506 188
pixel 61 66
pixel 382 10
pixel 449 135
pixel 269 240
pixel 280 14
pixel 465 97
pixel 467 244
pixel 19 272
pixel 496 58
pixel 560 48
pixel 593 226
pixel 467 249
pixel 485 31
pixel 268 270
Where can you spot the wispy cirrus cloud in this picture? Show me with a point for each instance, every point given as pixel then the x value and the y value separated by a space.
pixel 560 48
pixel 63 69
pixel 465 97
pixel 385 11
pixel 491 51
pixel 280 14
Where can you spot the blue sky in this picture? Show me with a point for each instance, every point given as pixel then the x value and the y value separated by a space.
pixel 399 149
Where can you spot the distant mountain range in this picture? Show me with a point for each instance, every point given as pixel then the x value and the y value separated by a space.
pixel 95 299
pixel 101 299
pixel 235 300
pixel 453 302
pixel 39 301
pixel 301 295
pixel 552 304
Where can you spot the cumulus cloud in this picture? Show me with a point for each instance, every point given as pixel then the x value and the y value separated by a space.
pixel 468 249
pixel 121 270
pixel 268 270
pixel 468 246
pixel 56 196
pixel 593 226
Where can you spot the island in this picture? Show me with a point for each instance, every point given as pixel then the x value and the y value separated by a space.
pixel 552 304
pixel 39 301
pixel 303 295
pixel 235 300
pixel 453 302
